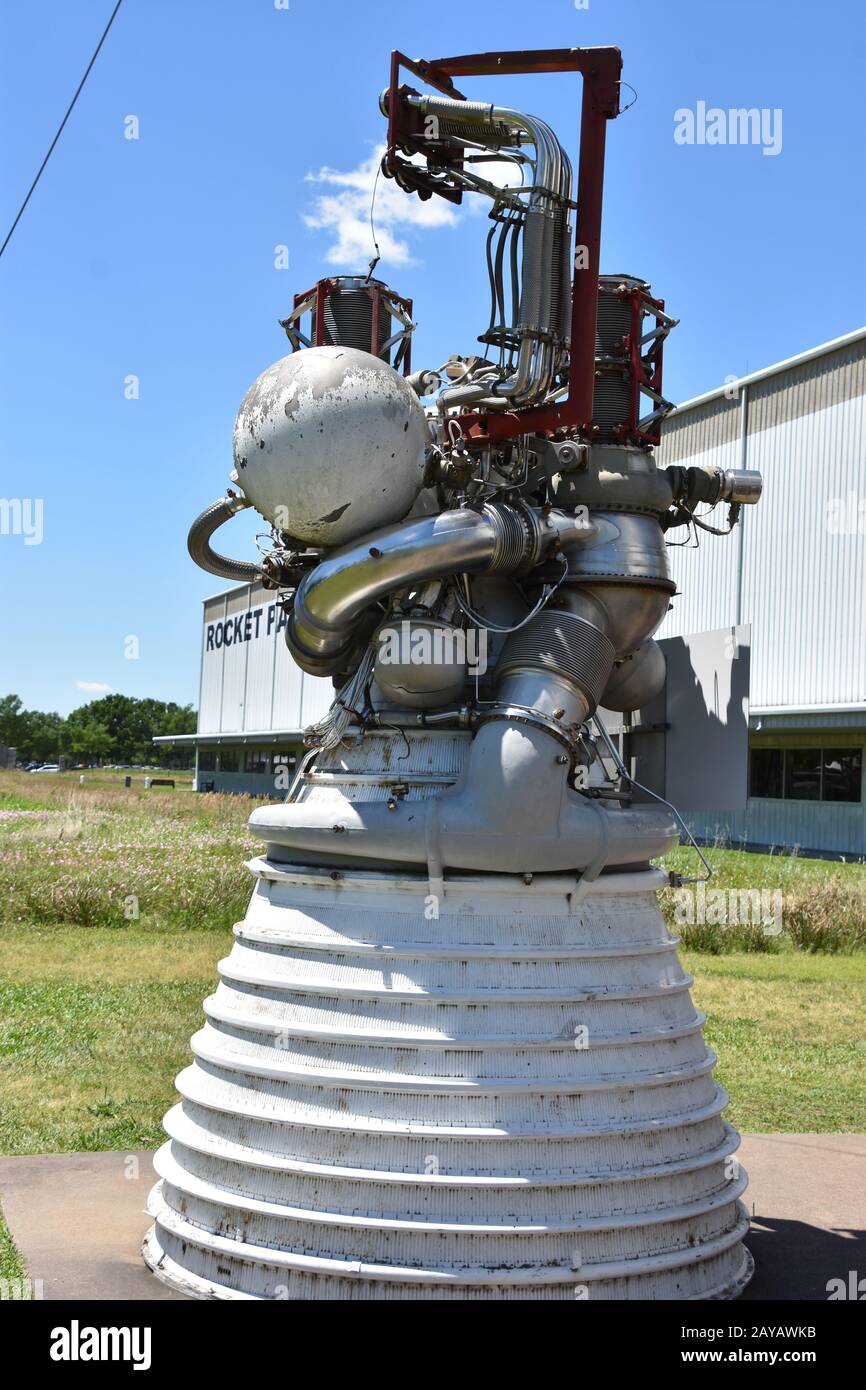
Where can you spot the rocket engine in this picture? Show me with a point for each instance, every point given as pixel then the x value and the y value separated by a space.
pixel 453 1053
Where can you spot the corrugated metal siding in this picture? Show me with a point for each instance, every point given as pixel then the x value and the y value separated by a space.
pixel 706 575
pixel 831 722
pixel 803 585
pixel 210 690
pixel 831 827
pixel 250 683
pixel 809 387
pixel 713 425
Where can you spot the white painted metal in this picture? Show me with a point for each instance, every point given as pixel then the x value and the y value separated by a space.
pixel 388 1104
pixel 327 486
pixel 854 708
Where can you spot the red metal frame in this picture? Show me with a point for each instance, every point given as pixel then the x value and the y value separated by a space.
pixel 645 373
pixel 600 69
pixel 321 292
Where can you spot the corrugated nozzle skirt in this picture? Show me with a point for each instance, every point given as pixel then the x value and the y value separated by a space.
pixel 512 1099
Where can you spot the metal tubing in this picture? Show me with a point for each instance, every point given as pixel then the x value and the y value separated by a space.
pixel 198 542
pixel 541 309
pixel 333 598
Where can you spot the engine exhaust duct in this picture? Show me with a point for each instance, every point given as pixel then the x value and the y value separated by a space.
pixel 500 537
pixel 480 824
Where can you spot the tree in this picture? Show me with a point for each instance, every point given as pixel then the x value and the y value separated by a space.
pixel 90 741
pixel 30 732
pixel 132 725
pixel 116 725
pixel 10 720
pixel 41 736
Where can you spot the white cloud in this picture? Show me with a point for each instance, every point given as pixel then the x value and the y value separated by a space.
pixel 93 687
pixel 343 214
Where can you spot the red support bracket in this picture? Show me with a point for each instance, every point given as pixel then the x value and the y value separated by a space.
pixel 384 299
pixel 600 69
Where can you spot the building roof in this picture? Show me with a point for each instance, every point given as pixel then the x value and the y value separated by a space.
pixel 732 386
pixel 258 736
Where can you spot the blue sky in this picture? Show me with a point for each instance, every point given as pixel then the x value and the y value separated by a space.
pixel 155 257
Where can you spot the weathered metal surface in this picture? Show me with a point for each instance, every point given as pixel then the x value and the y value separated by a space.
pixel 453 1053
pixel 385 1104
pixel 329 444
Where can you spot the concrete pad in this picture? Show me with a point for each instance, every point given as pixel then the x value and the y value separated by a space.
pixel 807 1198
pixel 78 1219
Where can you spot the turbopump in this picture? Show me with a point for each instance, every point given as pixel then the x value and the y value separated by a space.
pixel 460 882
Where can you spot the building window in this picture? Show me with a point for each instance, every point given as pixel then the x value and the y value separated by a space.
pixel 228 760
pixel 841 774
pixel 206 760
pixel 765 772
pixel 256 760
pixel 283 760
pixel 806 774
pixel 802 774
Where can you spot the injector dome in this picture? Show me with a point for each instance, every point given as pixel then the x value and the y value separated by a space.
pixel 329 443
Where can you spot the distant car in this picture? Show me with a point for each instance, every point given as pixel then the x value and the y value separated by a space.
pixel 48 767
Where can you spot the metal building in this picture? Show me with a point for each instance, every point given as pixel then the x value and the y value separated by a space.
pixel 797 573
pixel 254 702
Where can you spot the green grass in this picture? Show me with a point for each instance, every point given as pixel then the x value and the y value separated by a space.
pixel 822 903
pixel 94 1027
pixel 10 801
pixel 103 855
pixel 788 1030
pixel 11 1264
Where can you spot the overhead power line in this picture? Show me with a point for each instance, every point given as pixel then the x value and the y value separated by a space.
pixel 69 108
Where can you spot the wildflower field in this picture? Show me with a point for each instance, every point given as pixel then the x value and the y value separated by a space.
pixel 116 904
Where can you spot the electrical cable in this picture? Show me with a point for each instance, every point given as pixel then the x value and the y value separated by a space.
pixel 69 108
pixel 378 256
pixel 623 770
pixel 331 729
pixel 546 595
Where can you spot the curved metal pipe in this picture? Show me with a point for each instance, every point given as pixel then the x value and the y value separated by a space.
pixel 198 541
pixel 545 277
pixel 332 599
